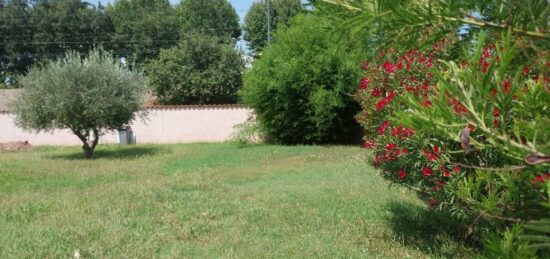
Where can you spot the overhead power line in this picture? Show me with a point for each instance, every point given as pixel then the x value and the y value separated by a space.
pixel 95 40
pixel 86 15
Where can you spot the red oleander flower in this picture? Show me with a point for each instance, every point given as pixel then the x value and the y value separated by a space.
pixel 485 67
pixel 457 169
pixel 432 202
pixel 391 146
pixel 507 87
pixel 365 65
pixel 526 70
pixel 540 178
pixel 446 173
pixel 494 92
pixel 458 107
pixel 402 174
pixel 382 103
pixel 407 132
pixel 375 92
pixel 427 171
pixel 383 127
pixel 391 95
pixel 396 131
pixel 365 82
pixel 425 85
pixel 429 155
pixel 496 123
pixel 370 144
pixel 496 112
pixel 389 67
pixel 427 103
pixel 405 151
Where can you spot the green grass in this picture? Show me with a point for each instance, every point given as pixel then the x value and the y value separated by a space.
pixel 211 200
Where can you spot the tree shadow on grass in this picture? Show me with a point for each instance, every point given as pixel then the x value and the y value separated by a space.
pixel 432 231
pixel 131 152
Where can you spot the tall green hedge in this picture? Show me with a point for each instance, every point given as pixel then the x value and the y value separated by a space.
pixel 302 86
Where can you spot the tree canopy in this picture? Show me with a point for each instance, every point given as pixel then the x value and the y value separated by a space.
pixel 142 28
pixel 202 69
pixel 209 17
pixel 255 22
pixel 35 31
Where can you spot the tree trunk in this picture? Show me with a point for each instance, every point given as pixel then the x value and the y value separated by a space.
pixel 88 152
pixel 89 138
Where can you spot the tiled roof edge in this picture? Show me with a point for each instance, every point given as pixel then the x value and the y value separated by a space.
pixel 195 107
pixel 183 107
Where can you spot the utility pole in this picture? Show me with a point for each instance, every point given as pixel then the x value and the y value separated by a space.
pixel 268 14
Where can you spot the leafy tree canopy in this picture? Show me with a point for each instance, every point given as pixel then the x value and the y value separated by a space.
pixel 209 17
pixel 255 23
pixel 32 31
pixel 143 28
pixel 202 69
pixel 418 24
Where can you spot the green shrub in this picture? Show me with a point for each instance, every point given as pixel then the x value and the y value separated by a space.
pixel 248 132
pixel 302 86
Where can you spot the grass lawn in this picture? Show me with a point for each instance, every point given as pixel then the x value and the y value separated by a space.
pixel 211 200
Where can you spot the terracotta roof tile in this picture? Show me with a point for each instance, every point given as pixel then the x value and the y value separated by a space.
pixel 194 107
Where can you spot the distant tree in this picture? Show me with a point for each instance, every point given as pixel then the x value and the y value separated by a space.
pixel 15 29
pixel 200 70
pixel 88 96
pixel 62 25
pixel 210 17
pixel 255 23
pixel 32 31
pixel 142 28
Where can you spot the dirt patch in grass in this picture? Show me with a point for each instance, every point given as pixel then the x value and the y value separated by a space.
pixel 15 146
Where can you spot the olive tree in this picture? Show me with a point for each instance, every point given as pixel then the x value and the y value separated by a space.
pixel 87 95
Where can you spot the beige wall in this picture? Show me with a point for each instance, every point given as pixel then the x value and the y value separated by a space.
pixel 178 125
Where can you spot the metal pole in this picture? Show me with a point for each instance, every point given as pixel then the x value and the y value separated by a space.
pixel 268 14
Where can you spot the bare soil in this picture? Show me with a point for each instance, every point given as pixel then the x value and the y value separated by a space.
pixel 15 146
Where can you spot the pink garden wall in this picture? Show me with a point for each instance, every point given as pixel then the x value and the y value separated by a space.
pixel 178 124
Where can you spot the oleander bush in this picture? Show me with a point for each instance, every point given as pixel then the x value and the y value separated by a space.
pixel 471 136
